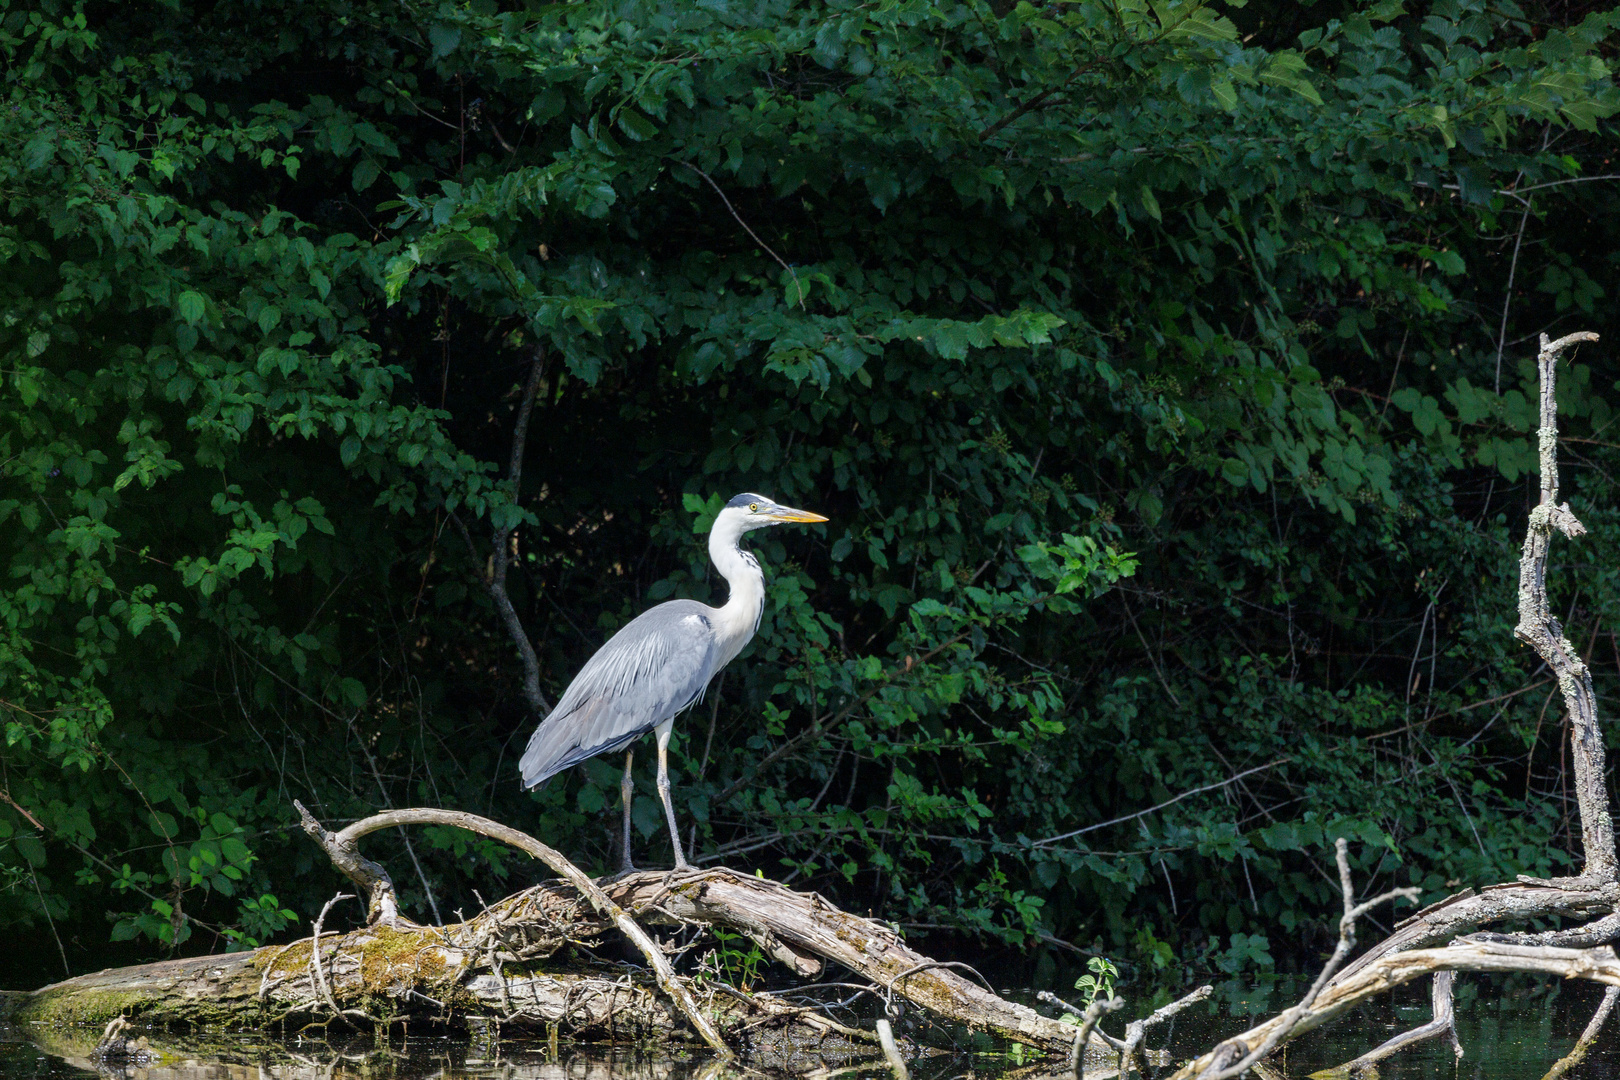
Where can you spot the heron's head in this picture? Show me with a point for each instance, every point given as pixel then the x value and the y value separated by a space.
pixel 749 511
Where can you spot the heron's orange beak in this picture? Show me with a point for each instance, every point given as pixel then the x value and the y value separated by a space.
pixel 788 514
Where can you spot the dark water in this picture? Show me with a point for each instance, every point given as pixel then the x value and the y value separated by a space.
pixel 1507 1032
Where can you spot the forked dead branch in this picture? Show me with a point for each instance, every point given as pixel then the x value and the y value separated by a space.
pixel 1588 899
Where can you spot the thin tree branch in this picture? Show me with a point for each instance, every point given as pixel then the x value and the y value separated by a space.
pixel 1561 183
pixel 797 288
pixel 502 558
pixel 1291 1020
pixel 1037 101
pixel 1507 298
pixel 1584 1043
pixel 1160 806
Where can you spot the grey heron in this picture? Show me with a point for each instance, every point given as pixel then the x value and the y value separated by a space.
pixel 658 665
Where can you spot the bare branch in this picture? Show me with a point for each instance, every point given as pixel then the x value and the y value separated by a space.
pixel 797 288
pixel 1598 965
pixel 1292 1022
pixel 315 967
pixel 502 557
pixel 1153 809
pixel 1584 1043
pixel 1540 629
pixel 1444 1022
pixel 343 844
pixel 891 1051
pixel 1137 1030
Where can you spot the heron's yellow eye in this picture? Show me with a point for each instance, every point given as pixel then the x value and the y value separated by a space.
pixel 753 508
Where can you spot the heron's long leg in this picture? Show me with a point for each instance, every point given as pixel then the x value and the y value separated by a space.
pixel 664 731
pixel 626 791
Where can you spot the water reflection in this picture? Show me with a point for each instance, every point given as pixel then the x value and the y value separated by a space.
pixel 1510 1032
pixel 66 1055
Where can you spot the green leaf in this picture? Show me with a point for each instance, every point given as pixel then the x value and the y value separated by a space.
pixel 191 307
pixel 1287 69
pixel 353 691
pixel 444 39
pixel 366 171
pixel 636 126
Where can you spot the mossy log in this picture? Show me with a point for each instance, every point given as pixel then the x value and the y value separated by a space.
pixel 526 962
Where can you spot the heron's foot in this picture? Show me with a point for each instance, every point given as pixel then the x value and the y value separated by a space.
pixel 623 872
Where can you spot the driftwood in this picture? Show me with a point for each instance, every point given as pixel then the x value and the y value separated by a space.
pixel 525 962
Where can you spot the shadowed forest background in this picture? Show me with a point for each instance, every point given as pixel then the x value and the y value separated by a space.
pixel 1164 369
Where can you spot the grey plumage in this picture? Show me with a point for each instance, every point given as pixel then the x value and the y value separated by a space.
pixel 654 668
pixel 658 665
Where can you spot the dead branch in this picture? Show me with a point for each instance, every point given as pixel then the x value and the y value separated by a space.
pixel 1444 1022
pixel 1082 1038
pixel 1467 911
pixel 375 884
pixel 1291 1021
pixel 1591 896
pixel 315 962
pixel 1598 965
pixel 343 844
pixel 1086 1022
pixel 1540 629
pixel 508 961
pixel 891 1051
pixel 808 925
pixel 1137 1030
pixel 1584 1043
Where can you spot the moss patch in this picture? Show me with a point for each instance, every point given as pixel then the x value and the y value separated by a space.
pixel 80 1006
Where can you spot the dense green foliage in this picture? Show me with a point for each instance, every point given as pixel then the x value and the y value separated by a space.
pixel 1151 360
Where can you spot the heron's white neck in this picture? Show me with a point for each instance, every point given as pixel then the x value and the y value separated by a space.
pixel 736 622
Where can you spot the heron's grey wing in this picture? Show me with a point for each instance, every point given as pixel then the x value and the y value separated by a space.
pixel 654 667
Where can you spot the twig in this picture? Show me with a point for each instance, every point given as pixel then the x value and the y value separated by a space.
pixel 1093 1013
pixel 1566 180
pixel 797 288
pixel 1037 101
pixel 1087 1019
pixel 1137 1030
pixel 1291 1019
pixel 1160 806
pixel 1507 299
pixel 315 961
pixel 5 797
pixel 270 966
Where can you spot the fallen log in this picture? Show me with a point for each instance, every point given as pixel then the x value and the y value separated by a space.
pixel 527 962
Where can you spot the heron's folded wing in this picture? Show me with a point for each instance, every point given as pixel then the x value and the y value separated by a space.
pixel 654 667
